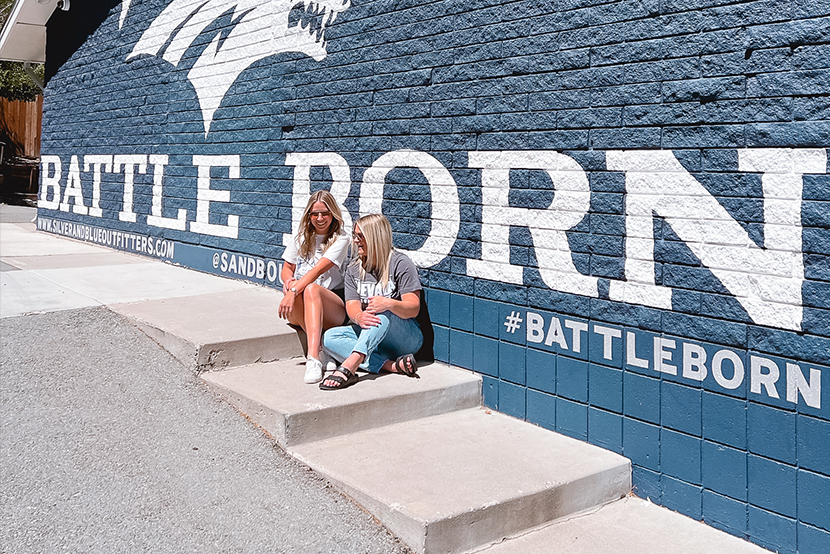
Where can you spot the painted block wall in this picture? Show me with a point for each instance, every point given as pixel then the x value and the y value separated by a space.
pixel 621 210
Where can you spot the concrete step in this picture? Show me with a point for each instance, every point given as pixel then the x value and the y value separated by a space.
pixel 628 526
pixel 219 330
pixel 453 482
pixel 274 397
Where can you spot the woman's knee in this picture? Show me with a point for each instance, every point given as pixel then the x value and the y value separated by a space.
pixel 332 334
pixel 311 292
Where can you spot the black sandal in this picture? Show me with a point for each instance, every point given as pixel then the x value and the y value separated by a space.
pixel 351 379
pixel 403 368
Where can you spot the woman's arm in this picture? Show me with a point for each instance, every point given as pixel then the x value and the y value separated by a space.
pixel 287 276
pixel 334 255
pixel 406 308
pixel 319 268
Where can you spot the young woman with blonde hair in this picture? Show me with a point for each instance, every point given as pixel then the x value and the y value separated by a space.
pixel 383 300
pixel 311 276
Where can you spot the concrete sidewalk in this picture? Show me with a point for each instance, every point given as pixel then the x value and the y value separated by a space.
pixel 421 455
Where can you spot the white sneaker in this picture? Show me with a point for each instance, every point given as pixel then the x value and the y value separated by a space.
pixel 313 371
pixel 329 363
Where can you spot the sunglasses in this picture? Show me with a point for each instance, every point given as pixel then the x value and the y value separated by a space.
pixel 320 214
pixel 358 236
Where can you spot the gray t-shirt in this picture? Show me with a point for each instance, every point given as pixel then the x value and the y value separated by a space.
pixel 403 278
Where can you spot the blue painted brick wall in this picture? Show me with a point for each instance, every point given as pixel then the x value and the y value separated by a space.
pixel 624 101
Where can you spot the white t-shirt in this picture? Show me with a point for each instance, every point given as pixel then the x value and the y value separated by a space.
pixel 337 252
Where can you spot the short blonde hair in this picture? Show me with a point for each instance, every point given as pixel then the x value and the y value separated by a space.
pixel 377 233
pixel 307 232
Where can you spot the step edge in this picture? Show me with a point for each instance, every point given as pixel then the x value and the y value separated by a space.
pixel 470 398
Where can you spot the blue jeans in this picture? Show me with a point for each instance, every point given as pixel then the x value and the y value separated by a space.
pixel 391 338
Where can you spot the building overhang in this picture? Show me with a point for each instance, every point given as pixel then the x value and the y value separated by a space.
pixel 24 35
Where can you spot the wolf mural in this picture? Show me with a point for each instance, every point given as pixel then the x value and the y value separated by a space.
pixel 260 28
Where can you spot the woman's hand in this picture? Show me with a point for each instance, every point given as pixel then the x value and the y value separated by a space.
pixel 406 308
pixel 366 319
pixel 287 305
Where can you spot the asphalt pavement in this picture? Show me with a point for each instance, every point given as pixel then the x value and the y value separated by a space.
pixel 109 444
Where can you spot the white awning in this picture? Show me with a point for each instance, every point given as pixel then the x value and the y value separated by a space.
pixel 24 34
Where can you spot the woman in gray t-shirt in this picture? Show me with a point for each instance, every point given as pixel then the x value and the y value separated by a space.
pixel 383 300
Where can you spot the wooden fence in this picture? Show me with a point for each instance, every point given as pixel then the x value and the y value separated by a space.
pixel 21 123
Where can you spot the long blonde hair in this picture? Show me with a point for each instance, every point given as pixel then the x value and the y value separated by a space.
pixel 378 251
pixel 308 233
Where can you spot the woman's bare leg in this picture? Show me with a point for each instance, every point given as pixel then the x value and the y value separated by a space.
pixel 323 310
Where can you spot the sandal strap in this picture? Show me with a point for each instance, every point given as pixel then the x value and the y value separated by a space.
pixel 401 367
pixel 345 371
pixel 336 378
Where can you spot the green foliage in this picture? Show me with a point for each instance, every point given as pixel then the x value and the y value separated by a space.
pixel 5 10
pixel 15 84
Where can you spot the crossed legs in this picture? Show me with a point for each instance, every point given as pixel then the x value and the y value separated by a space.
pixel 375 348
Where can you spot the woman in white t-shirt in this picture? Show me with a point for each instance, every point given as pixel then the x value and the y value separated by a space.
pixel 312 281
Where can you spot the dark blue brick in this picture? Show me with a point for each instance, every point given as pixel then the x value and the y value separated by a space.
pixel 646 484
pixel 541 409
pixel 572 379
pixel 790 345
pixel 569 304
pixel 605 387
pixel 813 444
pixel 815 293
pixel 487 320
pixel 724 513
pixel 486 356
pixel 641 397
pixel 681 408
pixel 541 370
pixel 724 470
pixel 811 539
pixel 627 314
pixel 512 363
pixel 772 485
pixel 704 90
pixel 797 134
pixel 682 497
pixel 512 399
pixel 725 420
pixel 439 307
pixel 641 443
pixel 814 499
pixel 461 312
pixel 772 531
pixel 817 266
pixel 723 136
pixel 461 349
pixel 681 456
pixel 572 419
pixel 605 430
pixel 608 267
pixel 771 432
pixel 490 392
pixel 513 294
pixel 607 139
